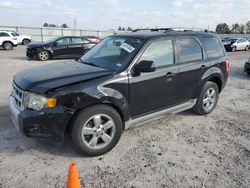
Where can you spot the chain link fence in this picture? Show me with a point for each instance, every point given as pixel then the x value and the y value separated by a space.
pixel 46 33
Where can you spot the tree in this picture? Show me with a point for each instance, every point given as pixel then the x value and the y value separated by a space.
pixel 235 28
pixel 45 25
pixel 52 25
pixel 242 29
pixel 222 28
pixel 248 27
pixel 123 29
pixel 64 25
pixel 129 29
pixel 119 28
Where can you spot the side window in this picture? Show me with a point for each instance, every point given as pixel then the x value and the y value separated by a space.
pixel 15 34
pixel 241 41
pixel 63 42
pixel 212 47
pixel 79 41
pixel 160 52
pixel 4 34
pixel 188 49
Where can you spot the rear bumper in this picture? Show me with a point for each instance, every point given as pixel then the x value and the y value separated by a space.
pixel 247 67
pixel 48 124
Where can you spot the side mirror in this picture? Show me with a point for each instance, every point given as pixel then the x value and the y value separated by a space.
pixel 144 66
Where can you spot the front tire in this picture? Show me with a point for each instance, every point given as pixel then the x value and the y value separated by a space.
pixel 246 48
pixel 234 49
pixel 96 130
pixel 8 46
pixel 207 99
pixel 43 55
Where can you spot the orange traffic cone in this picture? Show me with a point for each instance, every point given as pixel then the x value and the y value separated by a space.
pixel 73 180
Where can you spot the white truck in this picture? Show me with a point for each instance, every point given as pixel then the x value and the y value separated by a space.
pixel 7 40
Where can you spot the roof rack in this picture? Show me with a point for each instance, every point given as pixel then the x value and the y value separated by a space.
pixel 171 29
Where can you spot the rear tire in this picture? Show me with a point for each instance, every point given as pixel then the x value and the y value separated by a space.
pixel 246 48
pixel 8 46
pixel 96 130
pixel 43 55
pixel 207 99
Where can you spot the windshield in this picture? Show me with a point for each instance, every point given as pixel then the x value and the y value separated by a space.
pixel 113 53
pixel 52 40
pixel 231 40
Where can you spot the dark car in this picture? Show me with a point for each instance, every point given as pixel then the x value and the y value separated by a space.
pixel 60 47
pixel 247 67
pixel 124 81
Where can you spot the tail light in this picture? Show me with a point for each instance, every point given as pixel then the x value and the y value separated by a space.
pixel 227 66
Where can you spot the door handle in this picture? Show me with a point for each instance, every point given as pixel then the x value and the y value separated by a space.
pixel 203 66
pixel 170 74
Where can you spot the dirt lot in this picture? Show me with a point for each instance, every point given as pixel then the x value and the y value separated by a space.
pixel 182 150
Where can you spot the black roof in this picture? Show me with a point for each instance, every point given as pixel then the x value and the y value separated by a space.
pixel 156 34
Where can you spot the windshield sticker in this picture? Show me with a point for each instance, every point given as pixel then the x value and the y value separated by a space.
pixel 118 64
pixel 127 47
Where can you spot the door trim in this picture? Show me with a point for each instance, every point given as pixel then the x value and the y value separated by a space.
pixel 159 114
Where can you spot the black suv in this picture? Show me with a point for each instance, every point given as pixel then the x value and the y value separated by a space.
pixel 124 81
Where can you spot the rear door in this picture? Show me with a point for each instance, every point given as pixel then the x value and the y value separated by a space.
pixel 153 91
pixel 190 58
pixel 79 46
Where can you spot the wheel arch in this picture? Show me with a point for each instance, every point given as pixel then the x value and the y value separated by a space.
pixel 121 112
pixel 8 41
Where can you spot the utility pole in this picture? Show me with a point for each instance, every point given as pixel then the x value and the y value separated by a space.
pixel 74 26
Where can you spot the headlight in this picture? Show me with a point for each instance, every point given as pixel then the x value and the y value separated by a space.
pixel 38 102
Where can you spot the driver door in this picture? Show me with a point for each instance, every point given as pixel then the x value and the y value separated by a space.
pixel 60 48
pixel 153 91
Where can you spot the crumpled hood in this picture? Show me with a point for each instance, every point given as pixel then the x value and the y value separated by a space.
pixel 51 76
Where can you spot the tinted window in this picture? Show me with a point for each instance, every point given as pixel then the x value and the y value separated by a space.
pixel 15 34
pixel 4 34
pixel 160 52
pixel 188 49
pixel 63 42
pixel 79 41
pixel 212 47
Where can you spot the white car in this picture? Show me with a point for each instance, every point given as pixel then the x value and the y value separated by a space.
pixel 22 39
pixel 7 40
pixel 233 44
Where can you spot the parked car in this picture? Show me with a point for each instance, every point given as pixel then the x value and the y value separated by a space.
pixel 124 81
pixel 234 44
pixel 226 38
pixel 60 47
pixel 7 41
pixel 247 67
pixel 93 39
pixel 22 39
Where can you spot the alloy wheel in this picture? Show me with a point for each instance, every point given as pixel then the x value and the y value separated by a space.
pixel 98 131
pixel 209 99
pixel 43 55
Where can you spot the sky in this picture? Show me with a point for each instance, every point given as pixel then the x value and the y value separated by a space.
pixel 109 14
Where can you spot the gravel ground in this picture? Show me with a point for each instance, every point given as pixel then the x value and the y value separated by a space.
pixel 182 150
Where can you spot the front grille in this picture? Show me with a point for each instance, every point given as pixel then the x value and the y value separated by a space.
pixel 18 96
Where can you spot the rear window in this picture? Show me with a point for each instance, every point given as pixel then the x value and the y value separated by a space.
pixel 212 47
pixel 188 49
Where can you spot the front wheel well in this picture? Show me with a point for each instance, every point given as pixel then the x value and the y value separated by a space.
pixel 217 81
pixel 69 126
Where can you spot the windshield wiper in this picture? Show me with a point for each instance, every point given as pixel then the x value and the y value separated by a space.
pixel 88 63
